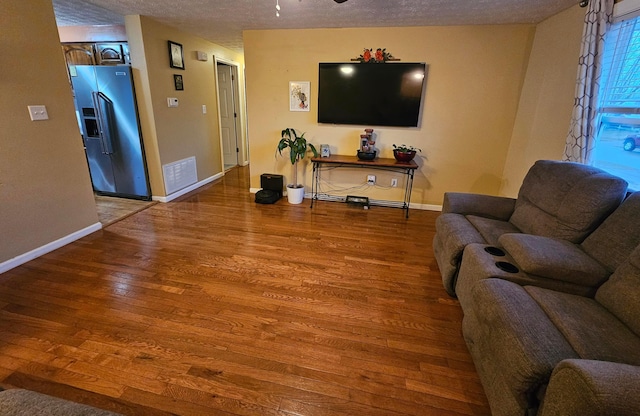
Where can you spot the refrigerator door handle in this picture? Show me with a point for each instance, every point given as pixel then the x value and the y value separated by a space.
pixel 104 111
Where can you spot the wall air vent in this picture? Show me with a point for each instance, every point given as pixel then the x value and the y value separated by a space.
pixel 180 174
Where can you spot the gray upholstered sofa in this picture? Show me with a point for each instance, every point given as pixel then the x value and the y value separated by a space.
pixel 557 199
pixel 565 353
pixel 554 263
pixel 558 332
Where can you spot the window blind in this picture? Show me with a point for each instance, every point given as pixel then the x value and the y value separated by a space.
pixel 620 82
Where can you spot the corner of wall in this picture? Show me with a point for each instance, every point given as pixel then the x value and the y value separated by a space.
pixel 546 100
pixel 133 25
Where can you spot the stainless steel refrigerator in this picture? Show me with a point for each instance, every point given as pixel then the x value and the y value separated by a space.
pixel 108 119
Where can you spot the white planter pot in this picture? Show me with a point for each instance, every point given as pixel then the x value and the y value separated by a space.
pixel 295 195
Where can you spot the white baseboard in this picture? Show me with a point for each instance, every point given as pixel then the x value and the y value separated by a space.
pixel 188 189
pixel 40 251
pixel 426 207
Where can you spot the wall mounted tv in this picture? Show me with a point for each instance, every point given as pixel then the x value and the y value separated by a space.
pixel 369 94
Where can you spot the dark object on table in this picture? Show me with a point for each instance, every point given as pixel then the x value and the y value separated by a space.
pixel 367 155
pixel 404 156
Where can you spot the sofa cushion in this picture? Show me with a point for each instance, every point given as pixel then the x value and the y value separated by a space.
pixel 566 200
pixel 491 229
pixel 554 259
pixel 614 240
pixel 621 293
pixel 591 330
pixel 512 341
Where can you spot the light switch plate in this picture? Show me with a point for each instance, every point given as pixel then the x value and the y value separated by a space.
pixel 172 102
pixel 38 112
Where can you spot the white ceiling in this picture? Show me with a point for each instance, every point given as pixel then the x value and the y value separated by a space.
pixel 222 21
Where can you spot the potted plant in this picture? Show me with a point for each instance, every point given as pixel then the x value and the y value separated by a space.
pixel 404 153
pixel 298 148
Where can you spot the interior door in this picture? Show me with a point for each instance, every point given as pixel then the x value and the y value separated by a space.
pixel 227 116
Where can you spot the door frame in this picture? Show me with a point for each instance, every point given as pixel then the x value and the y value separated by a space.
pixel 240 137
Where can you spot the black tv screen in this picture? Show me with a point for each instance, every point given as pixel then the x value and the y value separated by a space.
pixel 370 94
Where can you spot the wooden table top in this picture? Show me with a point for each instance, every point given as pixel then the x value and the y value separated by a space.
pixel 353 160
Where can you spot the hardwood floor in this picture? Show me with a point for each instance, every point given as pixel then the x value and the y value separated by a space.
pixel 111 209
pixel 215 305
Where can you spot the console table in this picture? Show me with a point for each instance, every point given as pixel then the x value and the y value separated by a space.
pixel 337 161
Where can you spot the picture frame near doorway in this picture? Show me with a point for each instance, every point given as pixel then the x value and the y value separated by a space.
pixel 176 55
pixel 178 82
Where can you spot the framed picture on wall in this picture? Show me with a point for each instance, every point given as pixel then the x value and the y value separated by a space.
pixel 176 55
pixel 177 81
pixel 299 95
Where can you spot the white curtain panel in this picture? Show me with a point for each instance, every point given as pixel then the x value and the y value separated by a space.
pixel 580 140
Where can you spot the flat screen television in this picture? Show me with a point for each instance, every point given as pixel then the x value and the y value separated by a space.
pixel 380 94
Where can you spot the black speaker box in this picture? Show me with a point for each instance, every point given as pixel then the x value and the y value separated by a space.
pixel 272 182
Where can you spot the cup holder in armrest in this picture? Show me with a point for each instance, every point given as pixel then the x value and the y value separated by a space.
pixel 507 267
pixel 494 251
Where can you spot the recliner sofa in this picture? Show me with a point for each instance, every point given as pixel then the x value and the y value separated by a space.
pixel 557 332
pixel 561 200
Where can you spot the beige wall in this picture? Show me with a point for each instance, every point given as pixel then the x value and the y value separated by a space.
pixel 172 134
pixel 45 189
pixel 544 112
pixel 473 89
pixel 475 75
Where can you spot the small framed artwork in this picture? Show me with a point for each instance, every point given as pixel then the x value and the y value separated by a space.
pixel 176 55
pixel 299 95
pixel 177 81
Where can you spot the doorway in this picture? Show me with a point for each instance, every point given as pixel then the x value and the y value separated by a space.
pixel 229 127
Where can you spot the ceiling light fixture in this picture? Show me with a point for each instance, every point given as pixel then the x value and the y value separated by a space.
pixel 277 9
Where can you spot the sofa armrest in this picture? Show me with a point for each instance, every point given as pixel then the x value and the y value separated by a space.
pixel 489 206
pixel 553 258
pixel 590 388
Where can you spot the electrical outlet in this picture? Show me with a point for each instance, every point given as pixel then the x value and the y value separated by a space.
pixel 371 179
pixel 394 182
pixel 38 112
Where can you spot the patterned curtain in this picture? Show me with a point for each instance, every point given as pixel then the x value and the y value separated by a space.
pixel 580 140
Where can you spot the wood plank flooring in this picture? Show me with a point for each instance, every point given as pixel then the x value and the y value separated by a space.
pixel 215 305
pixel 111 209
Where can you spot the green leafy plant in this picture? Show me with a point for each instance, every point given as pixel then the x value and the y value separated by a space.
pixel 406 149
pixel 298 148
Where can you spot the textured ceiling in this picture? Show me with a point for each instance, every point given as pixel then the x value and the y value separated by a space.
pixel 222 21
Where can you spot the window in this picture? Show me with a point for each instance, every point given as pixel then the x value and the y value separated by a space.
pixel 617 148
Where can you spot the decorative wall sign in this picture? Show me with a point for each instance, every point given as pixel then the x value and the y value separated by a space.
pixel 378 57
pixel 176 55
pixel 177 81
pixel 299 95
